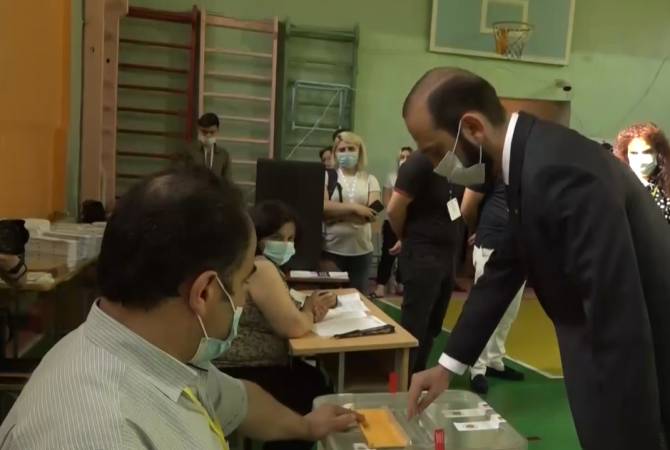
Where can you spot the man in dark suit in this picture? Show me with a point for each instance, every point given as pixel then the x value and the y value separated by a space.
pixel 591 241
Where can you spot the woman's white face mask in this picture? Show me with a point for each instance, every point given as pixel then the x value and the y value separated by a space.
pixel 641 158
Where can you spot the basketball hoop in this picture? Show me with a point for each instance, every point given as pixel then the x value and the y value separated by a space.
pixel 511 38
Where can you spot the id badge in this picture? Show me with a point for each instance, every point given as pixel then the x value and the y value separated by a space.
pixel 454 209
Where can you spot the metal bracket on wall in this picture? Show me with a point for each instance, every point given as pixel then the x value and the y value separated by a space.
pixel 336 95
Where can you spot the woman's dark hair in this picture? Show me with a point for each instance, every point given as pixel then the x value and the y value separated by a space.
pixel 324 150
pixel 655 137
pixel 168 229
pixel 269 216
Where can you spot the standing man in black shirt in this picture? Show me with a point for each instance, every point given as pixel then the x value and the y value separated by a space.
pixel 419 214
pixel 485 213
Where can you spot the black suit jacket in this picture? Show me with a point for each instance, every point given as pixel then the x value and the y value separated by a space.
pixel 597 251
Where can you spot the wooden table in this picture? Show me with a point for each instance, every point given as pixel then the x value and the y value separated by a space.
pixel 14 297
pixel 370 350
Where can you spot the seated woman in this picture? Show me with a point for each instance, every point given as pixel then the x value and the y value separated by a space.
pixel 260 353
pixel 347 212
pixel 645 149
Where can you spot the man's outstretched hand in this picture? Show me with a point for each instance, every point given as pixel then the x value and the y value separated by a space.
pixel 434 381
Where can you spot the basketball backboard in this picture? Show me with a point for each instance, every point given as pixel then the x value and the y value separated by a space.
pixel 465 27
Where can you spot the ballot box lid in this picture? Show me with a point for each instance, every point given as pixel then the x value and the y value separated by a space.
pixel 469 423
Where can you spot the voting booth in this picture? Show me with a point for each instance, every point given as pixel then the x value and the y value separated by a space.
pixel 463 421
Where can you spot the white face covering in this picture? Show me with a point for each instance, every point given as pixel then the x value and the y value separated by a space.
pixel 640 159
pixel 207 141
pixel 453 169
pixel 643 164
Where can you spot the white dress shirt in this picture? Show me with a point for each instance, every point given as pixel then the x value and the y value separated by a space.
pixel 447 361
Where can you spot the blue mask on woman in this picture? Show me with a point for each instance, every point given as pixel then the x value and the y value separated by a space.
pixel 211 348
pixel 279 252
pixel 348 160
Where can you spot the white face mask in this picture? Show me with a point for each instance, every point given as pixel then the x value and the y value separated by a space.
pixel 207 141
pixel 453 169
pixel 211 348
pixel 643 164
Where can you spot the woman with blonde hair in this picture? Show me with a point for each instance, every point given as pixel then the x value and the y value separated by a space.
pixel 347 212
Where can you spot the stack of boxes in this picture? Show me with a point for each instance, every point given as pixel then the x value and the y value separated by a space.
pixel 71 242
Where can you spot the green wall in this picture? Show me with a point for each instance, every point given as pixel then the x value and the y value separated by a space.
pixel 617 67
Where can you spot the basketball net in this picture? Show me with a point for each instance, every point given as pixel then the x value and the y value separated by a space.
pixel 511 38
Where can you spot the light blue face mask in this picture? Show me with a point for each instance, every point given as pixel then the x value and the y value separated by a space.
pixel 279 252
pixel 348 160
pixel 211 348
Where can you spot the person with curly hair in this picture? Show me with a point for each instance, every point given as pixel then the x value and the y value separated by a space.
pixel 644 147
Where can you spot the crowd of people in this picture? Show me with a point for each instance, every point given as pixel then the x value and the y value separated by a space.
pixel 181 248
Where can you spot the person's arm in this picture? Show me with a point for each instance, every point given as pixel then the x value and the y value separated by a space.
pixel 472 200
pixel 386 195
pixel 397 212
pixel 272 298
pixel 343 211
pixel 489 298
pixel 269 420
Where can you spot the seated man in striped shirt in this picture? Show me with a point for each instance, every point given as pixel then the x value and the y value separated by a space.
pixel 175 257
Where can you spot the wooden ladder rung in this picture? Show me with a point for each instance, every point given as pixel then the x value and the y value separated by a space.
pixel 143 154
pixel 244 119
pixel 153 43
pixel 139 87
pixel 127 66
pixel 240 77
pixel 243 140
pixel 150 133
pixel 237 97
pixel 167 112
pixel 245 162
pixel 228 51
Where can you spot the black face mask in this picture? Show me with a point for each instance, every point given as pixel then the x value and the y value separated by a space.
pixel 13 237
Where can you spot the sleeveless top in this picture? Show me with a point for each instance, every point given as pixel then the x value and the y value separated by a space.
pixel 256 343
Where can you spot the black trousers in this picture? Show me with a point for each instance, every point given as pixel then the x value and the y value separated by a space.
pixel 385 265
pixel 428 279
pixel 295 386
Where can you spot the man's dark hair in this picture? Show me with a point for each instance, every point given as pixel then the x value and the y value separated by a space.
pixel 324 150
pixel 269 216
pixel 168 229
pixel 406 149
pixel 452 92
pixel 208 120
pixel 338 131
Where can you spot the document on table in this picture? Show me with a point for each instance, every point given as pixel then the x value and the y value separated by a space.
pixel 311 274
pixel 351 314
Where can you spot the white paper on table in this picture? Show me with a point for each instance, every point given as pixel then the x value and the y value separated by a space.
pixel 351 302
pixel 303 274
pixel 346 323
pixel 339 275
pixel 492 424
pixel 298 297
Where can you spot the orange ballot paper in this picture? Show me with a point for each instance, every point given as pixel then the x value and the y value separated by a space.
pixel 381 430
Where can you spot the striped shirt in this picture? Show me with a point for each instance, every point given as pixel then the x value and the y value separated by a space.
pixel 104 387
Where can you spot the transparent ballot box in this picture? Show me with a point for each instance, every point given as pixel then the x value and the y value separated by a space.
pixel 467 421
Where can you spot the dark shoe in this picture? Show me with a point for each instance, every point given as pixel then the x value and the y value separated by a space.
pixel 479 385
pixel 506 374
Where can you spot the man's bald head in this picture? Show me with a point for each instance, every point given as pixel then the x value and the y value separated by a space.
pixel 449 92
